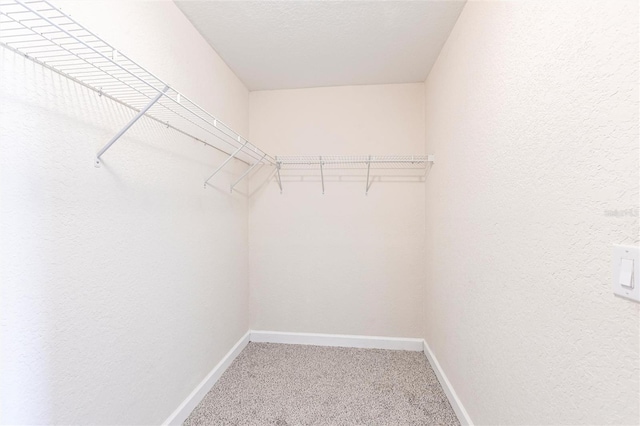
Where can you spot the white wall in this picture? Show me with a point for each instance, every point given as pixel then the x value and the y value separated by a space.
pixel 341 262
pixel 122 286
pixel 532 113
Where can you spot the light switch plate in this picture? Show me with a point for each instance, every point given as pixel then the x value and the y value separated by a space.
pixel 626 252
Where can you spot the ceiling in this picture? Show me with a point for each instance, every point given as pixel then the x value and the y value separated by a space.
pixel 296 44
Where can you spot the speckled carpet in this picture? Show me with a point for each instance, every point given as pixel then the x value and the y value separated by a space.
pixel 275 384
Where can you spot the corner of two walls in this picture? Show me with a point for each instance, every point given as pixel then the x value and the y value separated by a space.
pixel 532 114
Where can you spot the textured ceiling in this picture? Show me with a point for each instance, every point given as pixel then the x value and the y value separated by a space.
pixel 293 44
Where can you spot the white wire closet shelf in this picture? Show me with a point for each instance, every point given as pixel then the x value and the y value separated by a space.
pixel 368 162
pixel 44 34
pixel 353 161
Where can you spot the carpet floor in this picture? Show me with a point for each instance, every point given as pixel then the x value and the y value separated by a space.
pixel 275 384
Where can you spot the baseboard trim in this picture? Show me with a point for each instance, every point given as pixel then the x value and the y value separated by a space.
pixel 455 402
pixel 192 401
pixel 317 339
pixel 342 340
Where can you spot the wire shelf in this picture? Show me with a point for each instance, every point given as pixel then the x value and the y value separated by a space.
pixel 44 34
pixel 352 162
pixel 322 162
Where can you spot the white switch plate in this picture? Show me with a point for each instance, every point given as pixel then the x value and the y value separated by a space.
pixel 626 252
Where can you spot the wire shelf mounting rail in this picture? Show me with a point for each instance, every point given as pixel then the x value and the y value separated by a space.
pixel 44 34
pixel 368 162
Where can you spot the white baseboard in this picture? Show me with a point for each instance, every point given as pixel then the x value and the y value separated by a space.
pixel 342 340
pixel 455 402
pixel 187 406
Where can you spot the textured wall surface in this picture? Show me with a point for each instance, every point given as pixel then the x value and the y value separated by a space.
pixel 123 286
pixel 343 262
pixel 532 113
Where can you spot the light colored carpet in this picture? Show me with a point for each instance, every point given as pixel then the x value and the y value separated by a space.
pixel 274 384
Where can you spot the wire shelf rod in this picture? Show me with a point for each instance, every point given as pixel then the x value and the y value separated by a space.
pixel 364 162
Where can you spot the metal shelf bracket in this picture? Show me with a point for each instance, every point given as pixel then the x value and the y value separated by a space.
pixel 122 131
pixel 278 166
pixel 366 192
pixel 321 175
pixel 246 173
pixel 221 166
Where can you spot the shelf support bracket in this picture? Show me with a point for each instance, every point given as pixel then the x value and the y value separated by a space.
pixel 278 165
pixel 368 169
pixel 246 173
pixel 122 131
pixel 321 175
pixel 221 166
